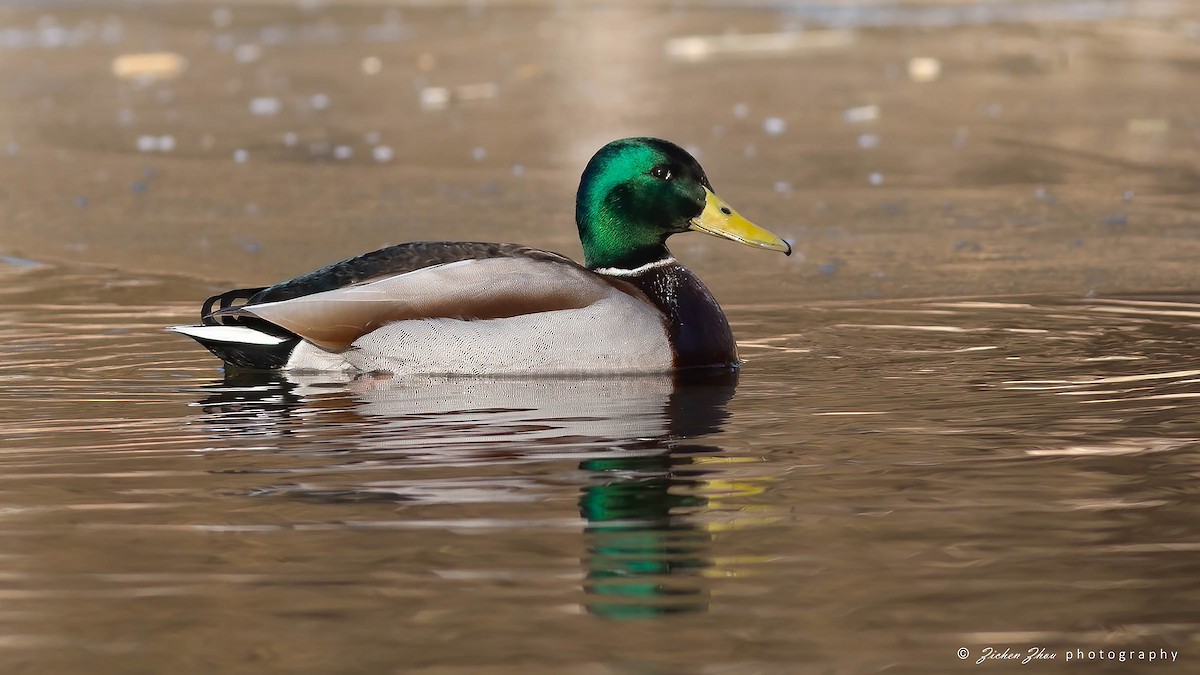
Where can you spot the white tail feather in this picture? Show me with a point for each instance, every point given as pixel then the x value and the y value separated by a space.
pixel 234 334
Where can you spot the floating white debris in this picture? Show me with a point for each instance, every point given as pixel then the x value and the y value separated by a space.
pixel 697 48
pixel 774 126
pixel 149 143
pixel 518 170
pixel 319 101
pixel 149 67
pixel 924 69
pixel 240 156
pixel 749 152
pixel 479 153
pixel 861 114
pixel 383 153
pixel 875 178
pixel 49 34
pixel 222 17
pixel 435 98
pixel 247 53
pixel 125 117
pixel 741 110
pixel 343 152
pixel 372 65
pixel 290 139
pixel 868 141
pixel 372 137
pixel 265 106
pixel 1127 196
pixel 783 187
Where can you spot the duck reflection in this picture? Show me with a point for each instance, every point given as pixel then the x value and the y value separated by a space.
pixel 646 553
pixel 645 556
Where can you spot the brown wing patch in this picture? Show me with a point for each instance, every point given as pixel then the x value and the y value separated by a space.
pixel 492 288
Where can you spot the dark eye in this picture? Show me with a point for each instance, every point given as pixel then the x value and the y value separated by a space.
pixel 661 172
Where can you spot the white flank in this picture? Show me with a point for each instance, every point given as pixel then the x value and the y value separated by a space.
pixel 616 334
pixel 618 272
pixel 238 334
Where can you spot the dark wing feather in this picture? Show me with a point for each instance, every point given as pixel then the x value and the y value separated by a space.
pixel 393 260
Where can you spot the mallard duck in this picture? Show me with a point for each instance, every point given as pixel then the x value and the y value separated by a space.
pixel 470 308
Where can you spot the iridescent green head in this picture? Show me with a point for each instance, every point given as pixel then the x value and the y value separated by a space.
pixel 636 192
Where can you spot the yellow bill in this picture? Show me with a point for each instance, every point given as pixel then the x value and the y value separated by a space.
pixel 719 220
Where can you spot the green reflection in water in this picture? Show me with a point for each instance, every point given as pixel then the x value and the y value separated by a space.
pixel 643 558
pixel 646 555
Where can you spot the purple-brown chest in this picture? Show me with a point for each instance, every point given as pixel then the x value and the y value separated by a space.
pixel 696 326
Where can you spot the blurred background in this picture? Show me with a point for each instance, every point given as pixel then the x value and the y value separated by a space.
pixel 906 147
pixel 897 474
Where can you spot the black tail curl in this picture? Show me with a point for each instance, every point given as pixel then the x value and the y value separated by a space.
pixel 229 299
pixel 224 310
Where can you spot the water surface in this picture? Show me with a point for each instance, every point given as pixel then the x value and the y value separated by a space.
pixel 967 417
pixel 883 483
